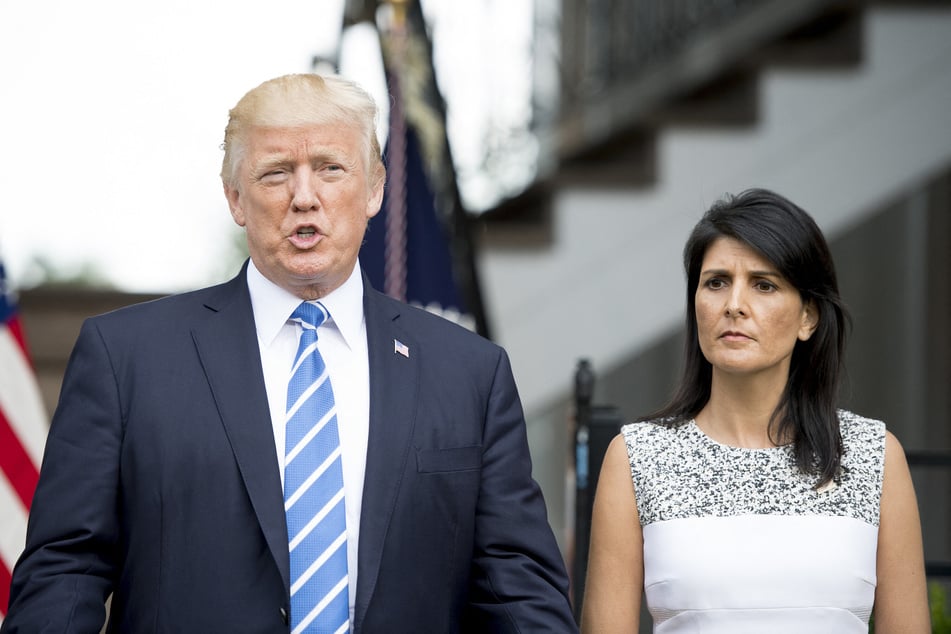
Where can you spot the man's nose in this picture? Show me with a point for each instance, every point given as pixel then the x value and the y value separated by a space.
pixel 304 190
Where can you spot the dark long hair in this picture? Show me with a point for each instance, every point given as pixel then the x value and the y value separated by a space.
pixel 789 238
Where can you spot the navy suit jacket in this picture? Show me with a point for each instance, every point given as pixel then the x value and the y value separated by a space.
pixel 160 483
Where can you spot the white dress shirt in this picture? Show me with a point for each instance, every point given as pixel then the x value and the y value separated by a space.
pixel 342 341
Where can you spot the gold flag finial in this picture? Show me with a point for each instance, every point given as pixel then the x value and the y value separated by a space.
pixel 399 12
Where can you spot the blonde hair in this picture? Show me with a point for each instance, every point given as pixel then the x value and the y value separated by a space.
pixel 298 100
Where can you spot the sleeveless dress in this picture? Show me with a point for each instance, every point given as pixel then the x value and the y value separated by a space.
pixel 737 540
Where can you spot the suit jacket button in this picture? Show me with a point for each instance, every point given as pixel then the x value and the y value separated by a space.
pixel 284 615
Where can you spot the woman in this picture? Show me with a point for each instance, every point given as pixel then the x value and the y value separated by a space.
pixel 756 505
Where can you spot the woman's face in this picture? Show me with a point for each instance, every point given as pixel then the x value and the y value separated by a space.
pixel 749 317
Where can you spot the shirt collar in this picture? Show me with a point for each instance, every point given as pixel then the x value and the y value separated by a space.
pixel 272 305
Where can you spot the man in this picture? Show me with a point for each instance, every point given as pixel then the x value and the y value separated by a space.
pixel 180 469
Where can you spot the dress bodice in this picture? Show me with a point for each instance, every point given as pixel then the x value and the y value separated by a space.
pixel 738 540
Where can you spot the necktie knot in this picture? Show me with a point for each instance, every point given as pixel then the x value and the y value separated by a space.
pixel 310 315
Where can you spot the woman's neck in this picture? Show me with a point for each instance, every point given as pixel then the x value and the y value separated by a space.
pixel 740 409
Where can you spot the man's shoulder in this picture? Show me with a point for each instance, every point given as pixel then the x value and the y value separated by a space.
pixel 176 306
pixel 419 318
pixel 429 329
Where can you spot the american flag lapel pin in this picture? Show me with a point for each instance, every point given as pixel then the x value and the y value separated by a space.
pixel 400 348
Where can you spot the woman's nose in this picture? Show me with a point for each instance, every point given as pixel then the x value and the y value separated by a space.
pixel 736 303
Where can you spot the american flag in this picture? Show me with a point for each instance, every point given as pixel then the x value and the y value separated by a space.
pixel 400 348
pixel 23 427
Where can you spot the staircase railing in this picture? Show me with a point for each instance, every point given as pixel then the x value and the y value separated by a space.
pixel 619 59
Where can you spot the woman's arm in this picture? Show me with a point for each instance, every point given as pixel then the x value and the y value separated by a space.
pixel 901 597
pixel 612 598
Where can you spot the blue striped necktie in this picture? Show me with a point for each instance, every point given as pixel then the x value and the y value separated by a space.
pixel 313 489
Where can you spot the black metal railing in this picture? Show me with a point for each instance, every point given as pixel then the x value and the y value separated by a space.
pixel 621 58
pixel 595 426
pixel 611 41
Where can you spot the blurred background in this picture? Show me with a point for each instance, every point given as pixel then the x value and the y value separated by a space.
pixel 569 146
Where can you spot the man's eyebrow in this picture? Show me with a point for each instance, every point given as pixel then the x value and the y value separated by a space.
pixel 270 161
pixel 332 156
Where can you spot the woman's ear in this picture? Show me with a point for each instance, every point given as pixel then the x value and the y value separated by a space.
pixel 810 320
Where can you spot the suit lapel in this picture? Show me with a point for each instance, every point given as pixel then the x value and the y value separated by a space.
pixel 228 348
pixel 394 390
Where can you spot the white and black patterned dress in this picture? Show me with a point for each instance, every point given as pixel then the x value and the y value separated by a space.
pixel 737 540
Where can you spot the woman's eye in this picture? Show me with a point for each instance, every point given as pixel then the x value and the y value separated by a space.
pixel 715 283
pixel 765 286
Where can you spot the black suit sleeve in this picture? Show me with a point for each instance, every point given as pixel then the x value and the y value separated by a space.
pixel 518 577
pixel 66 571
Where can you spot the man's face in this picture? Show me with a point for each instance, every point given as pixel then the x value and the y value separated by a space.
pixel 304 197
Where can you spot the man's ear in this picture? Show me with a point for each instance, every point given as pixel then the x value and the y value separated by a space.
pixel 375 200
pixel 234 204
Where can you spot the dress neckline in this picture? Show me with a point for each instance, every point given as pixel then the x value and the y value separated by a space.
pixel 695 428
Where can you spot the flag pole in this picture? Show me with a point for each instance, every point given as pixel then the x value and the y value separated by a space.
pixel 408 57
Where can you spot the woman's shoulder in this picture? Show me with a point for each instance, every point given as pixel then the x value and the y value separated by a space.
pixel 646 439
pixel 858 430
pixel 656 429
pixel 863 464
